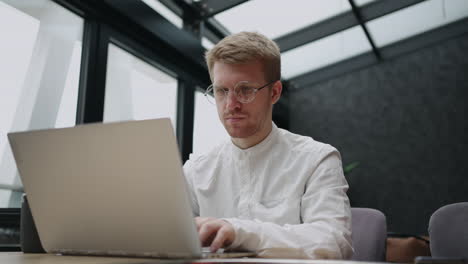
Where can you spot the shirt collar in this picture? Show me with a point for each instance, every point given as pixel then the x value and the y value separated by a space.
pixel 256 149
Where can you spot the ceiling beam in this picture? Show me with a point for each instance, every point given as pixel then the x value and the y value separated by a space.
pixel 360 19
pixel 340 22
pixel 212 29
pixel 209 8
pixel 159 26
pixel 333 70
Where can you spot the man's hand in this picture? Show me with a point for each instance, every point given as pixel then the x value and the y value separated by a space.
pixel 214 232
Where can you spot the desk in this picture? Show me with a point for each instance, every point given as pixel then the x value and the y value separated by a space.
pixel 20 258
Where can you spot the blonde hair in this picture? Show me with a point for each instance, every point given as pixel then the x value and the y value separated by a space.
pixel 247 47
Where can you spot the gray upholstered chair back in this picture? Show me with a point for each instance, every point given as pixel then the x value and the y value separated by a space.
pixel 369 234
pixel 448 231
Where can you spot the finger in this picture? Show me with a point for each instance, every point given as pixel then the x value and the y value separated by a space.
pixel 199 221
pixel 209 240
pixel 220 239
pixel 208 231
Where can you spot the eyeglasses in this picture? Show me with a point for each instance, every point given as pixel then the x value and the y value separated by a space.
pixel 245 92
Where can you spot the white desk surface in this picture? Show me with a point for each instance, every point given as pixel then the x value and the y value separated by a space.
pixel 20 258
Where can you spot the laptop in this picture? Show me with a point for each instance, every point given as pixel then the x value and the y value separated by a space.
pixel 114 189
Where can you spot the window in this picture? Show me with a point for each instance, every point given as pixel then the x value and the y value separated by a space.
pixel 416 19
pixel 269 17
pixel 207 129
pixel 136 90
pixel 39 69
pixel 207 44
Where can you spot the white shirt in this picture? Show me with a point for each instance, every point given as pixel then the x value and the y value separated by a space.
pixel 285 197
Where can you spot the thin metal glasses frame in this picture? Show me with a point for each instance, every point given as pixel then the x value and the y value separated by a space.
pixel 226 92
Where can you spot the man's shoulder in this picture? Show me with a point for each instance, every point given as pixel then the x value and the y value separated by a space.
pixel 306 144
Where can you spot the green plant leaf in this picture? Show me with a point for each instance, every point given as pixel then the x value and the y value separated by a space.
pixel 348 168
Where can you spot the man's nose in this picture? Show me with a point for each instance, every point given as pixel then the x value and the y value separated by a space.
pixel 231 100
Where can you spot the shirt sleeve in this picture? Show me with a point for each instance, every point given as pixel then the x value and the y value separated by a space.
pixel 189 172
pixel 325 231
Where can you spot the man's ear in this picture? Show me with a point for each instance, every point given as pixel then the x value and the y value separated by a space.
pixel 276 92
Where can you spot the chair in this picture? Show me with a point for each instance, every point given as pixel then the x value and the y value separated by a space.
pixel 369 234
pixel 448 231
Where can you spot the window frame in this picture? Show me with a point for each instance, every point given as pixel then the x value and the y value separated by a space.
pixel 105 24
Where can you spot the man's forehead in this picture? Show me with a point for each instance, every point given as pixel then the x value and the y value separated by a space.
pixel 230 74
pixel 228 85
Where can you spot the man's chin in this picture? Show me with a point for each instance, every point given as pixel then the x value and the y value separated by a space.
pixel 237 132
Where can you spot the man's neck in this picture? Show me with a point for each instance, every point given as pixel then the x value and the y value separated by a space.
pixel 245 143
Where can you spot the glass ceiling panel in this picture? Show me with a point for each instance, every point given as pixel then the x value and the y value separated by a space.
pixel 165 12
pixel 206 43
pixel 455 9
pixel 416 19
pixel 276 18
pixel 363 2
pixel 325 51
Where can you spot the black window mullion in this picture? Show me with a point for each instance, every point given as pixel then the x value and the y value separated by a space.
pixel 92 73
pixel 186 95
pixel 185 117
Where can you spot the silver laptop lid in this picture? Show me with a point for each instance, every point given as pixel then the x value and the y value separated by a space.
pixel 115 187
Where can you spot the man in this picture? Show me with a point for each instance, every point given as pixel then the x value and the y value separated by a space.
pixel 266 189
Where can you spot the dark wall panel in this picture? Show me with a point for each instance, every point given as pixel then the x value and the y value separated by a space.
pixel 405 121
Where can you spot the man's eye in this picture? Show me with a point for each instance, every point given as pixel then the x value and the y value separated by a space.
pixel 220 91
pixel 246 90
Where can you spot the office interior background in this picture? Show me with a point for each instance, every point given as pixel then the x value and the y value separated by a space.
pixel 384 81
